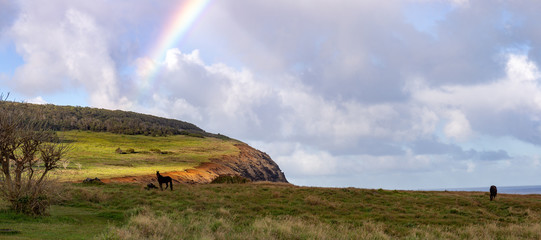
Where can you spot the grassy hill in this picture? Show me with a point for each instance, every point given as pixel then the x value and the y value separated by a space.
pixel 94 154
pixel 276 211
pixel 118 144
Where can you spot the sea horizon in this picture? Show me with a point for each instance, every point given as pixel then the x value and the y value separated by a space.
pixel 524 190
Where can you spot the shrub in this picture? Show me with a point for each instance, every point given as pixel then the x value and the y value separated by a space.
pixel 130 150
pixel 192 134
pixel 222 137
pixel 119 151
pixel 27 155
pixel 231 179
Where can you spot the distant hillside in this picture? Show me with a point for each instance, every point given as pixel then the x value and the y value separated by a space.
pixel 64 118
pixel 98 135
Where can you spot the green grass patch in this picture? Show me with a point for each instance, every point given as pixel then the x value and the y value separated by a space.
pixel 96 154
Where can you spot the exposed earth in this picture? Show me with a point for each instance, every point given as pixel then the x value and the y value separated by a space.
pixel 250 163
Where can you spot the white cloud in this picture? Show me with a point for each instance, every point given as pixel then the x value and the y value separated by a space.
pixel 37 100
pixel 458 126
pixel 475 108
pixel 63 48
pixel 520 69
pixel 302 162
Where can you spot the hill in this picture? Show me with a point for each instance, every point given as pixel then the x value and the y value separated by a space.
pixel 121 146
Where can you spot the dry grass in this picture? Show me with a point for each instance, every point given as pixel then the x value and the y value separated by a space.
pixel 281 211
pixel 315 200
pixel 148 225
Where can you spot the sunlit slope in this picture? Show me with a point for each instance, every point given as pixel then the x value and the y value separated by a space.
pixel 93 154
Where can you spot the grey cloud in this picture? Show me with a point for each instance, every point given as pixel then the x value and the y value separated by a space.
pixel 434 147
pixel 8 10
pixel 518 123
pixel 366 146
pixel 367 53
pixel 493 155
pixel 482 155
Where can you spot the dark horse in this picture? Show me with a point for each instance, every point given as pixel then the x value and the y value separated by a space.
pixel 493 192
pixel 167 180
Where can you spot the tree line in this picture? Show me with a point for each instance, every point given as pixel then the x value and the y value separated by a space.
pixel 64 118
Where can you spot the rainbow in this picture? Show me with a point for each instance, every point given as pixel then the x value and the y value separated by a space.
pixel 180 22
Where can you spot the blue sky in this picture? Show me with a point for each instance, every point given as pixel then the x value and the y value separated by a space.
pixel 410 94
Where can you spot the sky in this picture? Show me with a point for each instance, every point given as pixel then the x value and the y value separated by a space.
pixel 409 94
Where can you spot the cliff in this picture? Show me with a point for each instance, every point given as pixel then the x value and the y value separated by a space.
pixel 250 163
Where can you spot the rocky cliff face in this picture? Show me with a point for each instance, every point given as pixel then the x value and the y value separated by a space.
pixel 250 163
pixel 253 164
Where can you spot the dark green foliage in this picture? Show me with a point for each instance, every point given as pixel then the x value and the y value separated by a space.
pixel 223 137
pixel 31 205
pixel 64 118
pixel 230 179
pixel 192 134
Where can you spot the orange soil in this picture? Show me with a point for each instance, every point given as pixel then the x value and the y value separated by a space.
pixel 204 173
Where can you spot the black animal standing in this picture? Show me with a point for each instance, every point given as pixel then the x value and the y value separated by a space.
pixel 167 180
pixel 493 192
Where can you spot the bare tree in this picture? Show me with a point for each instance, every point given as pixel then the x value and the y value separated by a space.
pixel 27 154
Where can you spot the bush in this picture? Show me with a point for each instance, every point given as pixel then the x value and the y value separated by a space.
pixel 27 155
pixel 31 205
pixel 130 150
pixel 192 134
pixel 222 137
pixel 119 151
pixel 231 179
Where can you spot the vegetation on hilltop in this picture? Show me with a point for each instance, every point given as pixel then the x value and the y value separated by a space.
pixel 63 118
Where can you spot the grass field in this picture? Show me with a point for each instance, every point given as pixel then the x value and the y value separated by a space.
pixel 248 211
pixel 93 154
pixel 276 211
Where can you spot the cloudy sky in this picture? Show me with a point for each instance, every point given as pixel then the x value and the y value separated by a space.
pixel 409 94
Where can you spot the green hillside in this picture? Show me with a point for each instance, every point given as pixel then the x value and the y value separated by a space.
pixel 94 154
